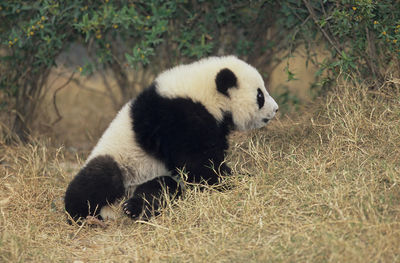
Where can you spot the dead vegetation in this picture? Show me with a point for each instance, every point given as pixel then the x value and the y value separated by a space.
pixel 324 186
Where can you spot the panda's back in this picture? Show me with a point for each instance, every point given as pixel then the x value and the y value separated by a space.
pixel 118 142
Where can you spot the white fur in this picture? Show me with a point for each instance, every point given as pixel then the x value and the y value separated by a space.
pixel 108 213
pixel 118 141
pixel 197 82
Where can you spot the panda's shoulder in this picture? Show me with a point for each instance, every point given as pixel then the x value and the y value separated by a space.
pixel 153 110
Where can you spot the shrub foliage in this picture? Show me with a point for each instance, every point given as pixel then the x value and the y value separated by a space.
pixel 119 34
pixel 362 36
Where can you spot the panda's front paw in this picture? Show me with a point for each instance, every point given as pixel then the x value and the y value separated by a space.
pixel 133 207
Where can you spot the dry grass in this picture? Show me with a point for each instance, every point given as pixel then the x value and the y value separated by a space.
pixel 325 187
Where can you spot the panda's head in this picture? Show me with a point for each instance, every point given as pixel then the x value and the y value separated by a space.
pixel 250 104
pixel 224 85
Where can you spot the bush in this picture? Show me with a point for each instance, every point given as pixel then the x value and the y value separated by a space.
pixel 32 34
pixel 124 34
pixel 363 36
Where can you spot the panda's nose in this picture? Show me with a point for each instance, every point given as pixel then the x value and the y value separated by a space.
pixel 265 120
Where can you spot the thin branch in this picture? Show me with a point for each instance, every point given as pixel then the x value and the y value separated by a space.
pixel 59 117
pixel 326 17
pixel 326 35
pixel 90 89
pixel 371 54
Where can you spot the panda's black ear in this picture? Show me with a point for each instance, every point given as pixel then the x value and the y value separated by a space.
pixel 225 79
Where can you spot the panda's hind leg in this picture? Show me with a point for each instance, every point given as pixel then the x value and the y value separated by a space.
pixel 149 197
pixel 99 183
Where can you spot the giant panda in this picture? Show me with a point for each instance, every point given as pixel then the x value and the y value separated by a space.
pixel 179 123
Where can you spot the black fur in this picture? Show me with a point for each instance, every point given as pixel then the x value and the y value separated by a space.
pixel 149 197
pixel 98 183
pixel 182 134
pixel 260 98
pixel 225 79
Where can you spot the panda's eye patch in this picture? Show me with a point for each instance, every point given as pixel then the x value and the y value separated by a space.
pixel 260 98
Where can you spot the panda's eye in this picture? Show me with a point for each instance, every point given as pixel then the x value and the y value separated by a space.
pixel 260 98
